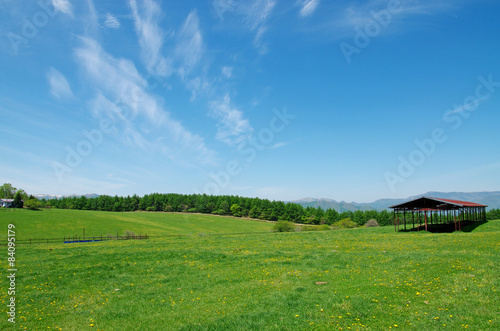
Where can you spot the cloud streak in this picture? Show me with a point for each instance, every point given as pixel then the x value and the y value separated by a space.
pixel 189 48
pixel 308 7
pixel 151 37
pixel 59 86
pixel 137 115
pixel 255 15
pixel 358 15
pixel 232 127
pixel 111 21
pixel 63 6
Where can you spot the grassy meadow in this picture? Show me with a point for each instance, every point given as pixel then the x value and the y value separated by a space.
pixel 357 279
pixel 58 223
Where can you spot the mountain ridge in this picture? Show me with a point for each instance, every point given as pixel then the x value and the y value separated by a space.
pixel 490 198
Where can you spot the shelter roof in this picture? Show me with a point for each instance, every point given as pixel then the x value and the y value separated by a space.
pixel 430 203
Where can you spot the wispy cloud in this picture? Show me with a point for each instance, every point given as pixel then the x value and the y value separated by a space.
pixel 189 48
pixel 468 106
pixel 64 6
pixel 223 6
pixel 278 145
pixel 358 15
pixel 232 127
pixel 91 19
pixel 255 14
pixel 185 51
pixel 137 115
pixel 308 7
pixel 227 72
pixel 111 21
pixel 59 86
pixel 151 37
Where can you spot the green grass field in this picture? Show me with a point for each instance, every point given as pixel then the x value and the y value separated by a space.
pixel 58 223
pixel 371 279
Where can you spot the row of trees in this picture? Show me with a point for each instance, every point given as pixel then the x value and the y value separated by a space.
pixel 208 204
pixel 493 214
pixel 221 205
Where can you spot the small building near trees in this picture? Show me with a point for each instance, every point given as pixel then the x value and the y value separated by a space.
pixel 6 203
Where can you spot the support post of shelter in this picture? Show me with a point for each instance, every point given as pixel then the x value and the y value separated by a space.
pixel 425 216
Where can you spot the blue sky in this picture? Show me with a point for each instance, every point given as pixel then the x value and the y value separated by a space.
pixel 349 100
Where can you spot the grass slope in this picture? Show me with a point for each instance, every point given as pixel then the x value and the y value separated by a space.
pixel 375 280
pixel 58 223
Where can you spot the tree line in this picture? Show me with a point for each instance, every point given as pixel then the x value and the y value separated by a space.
pixel 236 206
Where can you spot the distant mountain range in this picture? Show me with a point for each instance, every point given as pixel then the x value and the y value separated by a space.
pixel 491 199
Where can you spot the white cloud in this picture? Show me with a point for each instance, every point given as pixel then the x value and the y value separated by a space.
pixel 360 15
pixel 136 114
pixel 111 21
pixel 189 48
pixel 59 86
pixel 185 52
pixel 151 37
pixel 255 14
pixel 227 72
pixel 258 12
pixel 278 145
pixel 64 6
pixel 257 17
pixel 469 106
pixel 91 20
pixel 308 7
pixel 232 127
pixel 222 6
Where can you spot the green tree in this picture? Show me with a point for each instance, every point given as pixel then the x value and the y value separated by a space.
pixel 359 218
pixel 33 204
pixel 224 208
pixel 18 201
pixel 24 195
pixel 332 216
pixel 7 191
pixel 236 210
pixel 384 218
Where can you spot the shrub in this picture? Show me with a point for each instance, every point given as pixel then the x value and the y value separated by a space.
pixel 309 228
pixel 32 204
pixel 371 223
pixel 345 223
pixel 324 227
pixel 283 226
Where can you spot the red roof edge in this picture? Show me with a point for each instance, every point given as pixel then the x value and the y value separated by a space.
pixel 458 202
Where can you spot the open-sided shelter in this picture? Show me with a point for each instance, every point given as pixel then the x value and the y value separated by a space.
pixel 437 211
